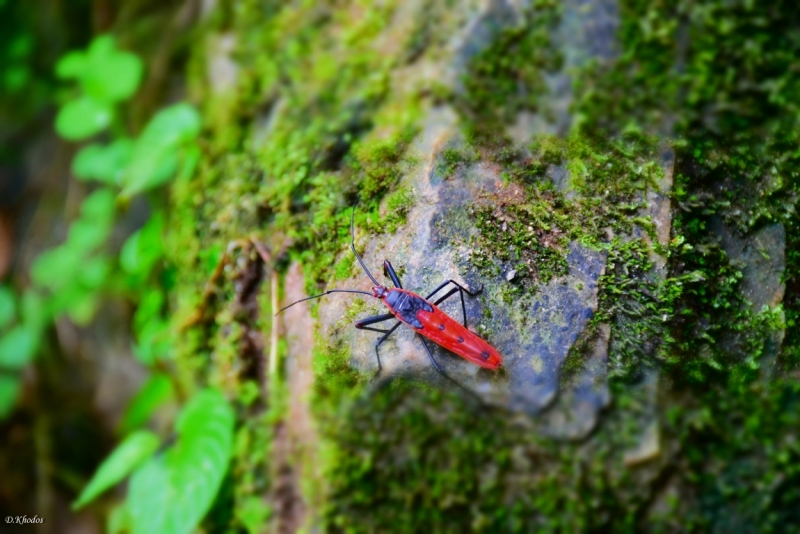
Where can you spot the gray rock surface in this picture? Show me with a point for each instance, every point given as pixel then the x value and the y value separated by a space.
pixel 534 339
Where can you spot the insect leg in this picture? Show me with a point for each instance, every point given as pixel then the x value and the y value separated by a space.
pixel 446 296
pixel 363 324
pixel 388 270
pixel 461 289
pixel 451 293
pixel 430 355
pixel 451 281
pixel 378 344
pixel 439 369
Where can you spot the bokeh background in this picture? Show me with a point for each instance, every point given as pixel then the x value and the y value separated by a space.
pixel 620 176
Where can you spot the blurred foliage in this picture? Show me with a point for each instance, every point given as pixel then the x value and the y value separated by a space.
pixel 31 39
pixel 132 451
pixel 74 279
pixel 172 491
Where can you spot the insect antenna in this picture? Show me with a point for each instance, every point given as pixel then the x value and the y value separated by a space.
pixel 360 261
pixel 322 295
pixel 353 246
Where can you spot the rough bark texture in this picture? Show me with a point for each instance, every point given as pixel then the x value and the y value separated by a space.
pixel 632 225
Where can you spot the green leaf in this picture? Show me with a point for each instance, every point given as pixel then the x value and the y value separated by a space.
pixel 174 125
pixel 82 118
pixel 7 306
pixel 128 455
pixel 129 256
pixel 143 248
pixel 110 75
pixel 34 310
pixel 155 392
pixel 190 161
pixel 83 308
pixel 99 206
pixel 149 309
pixel 56 268
pixel 10 386
pixel 152 330
pixel 94 272
pixel 71 65
pixel 104 163
pixel 172 492
pixel 154 341
pixel 18 347
pixel 156 153
pixel 17 77
pixel 86 236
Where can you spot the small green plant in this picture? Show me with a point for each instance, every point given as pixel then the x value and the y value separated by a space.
pixel 170 491
pixel 106 76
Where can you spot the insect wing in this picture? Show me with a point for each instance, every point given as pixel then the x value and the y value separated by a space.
pixel 452 335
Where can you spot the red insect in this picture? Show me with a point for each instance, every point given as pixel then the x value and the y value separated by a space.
pixel 421 315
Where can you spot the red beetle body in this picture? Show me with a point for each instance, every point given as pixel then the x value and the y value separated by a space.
pixel 428 320
pixel 421 315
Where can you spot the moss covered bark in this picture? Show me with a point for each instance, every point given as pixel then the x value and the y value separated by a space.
pixel 324 106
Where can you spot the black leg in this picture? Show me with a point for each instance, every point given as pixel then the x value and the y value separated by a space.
pixel 461 289
pixel 430 355
pixel 378 344
pixel 464 289
pixel 388 270
pixel 463 306
pixel 363 324
pixel 439 369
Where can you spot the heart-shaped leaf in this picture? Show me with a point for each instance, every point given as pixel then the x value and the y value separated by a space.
pixel 110 75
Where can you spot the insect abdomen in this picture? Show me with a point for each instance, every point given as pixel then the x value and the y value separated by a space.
pixel 452 335
pixel 442 329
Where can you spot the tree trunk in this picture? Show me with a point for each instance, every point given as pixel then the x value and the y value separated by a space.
pixel 619 178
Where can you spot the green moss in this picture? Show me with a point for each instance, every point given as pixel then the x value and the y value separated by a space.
pixel 378 162
pixel 344 267
pixel 523 238
pixel 397 206
pixel 405 471
pixel 357 306
pixel 335 375
pixel 451 159
pixel 411 458
pixel 508 75
pixel 529 234
pixel 577 356
pixel 742 457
